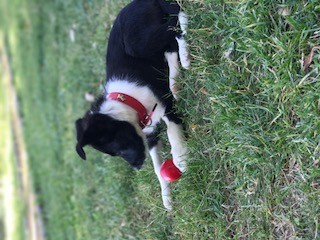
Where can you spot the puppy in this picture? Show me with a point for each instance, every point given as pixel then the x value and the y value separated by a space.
pixel 145 45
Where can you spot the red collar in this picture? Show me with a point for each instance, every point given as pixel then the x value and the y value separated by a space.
pixel 143 116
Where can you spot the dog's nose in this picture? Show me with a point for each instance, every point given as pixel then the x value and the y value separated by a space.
pixel 136 161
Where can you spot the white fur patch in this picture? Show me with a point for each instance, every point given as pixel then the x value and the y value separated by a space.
pixel 143 94
pixel 183 49
pixel 183 53
pixel 119 111
pixel 173 63
pixel 183 20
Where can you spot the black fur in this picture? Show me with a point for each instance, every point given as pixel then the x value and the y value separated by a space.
pixel 143 31
pixel 146 31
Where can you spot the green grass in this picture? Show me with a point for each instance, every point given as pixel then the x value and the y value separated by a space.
pixel 252 121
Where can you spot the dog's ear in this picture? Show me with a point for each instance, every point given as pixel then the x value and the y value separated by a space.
pixel 80 151
pixel 79 128
pixel 80 145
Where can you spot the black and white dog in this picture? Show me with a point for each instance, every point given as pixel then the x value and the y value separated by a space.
pixel 145 45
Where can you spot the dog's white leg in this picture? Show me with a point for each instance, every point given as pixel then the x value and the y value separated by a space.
pixel 183 52
pixel 173 63
pixel 183 21
pixel 165 189
pixel 178 145
pixel 183 49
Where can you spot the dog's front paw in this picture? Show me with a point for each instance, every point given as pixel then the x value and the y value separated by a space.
pixel 166 201
pixel 185 60
pixel 181 163
pixel 174 89
pixel 180 158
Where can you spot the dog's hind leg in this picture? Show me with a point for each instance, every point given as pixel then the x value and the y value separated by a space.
pixel 154 149
pixel 183 21
pixel 173 63
pixel 183 49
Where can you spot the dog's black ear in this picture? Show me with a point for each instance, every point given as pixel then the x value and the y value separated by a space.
pixel 80 130
pixel 80 151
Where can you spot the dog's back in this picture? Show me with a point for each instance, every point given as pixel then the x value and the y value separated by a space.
pixel 137 43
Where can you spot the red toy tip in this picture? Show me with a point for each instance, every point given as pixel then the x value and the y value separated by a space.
pixel 169 171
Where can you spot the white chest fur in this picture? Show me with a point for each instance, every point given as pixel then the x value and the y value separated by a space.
pixel 122 112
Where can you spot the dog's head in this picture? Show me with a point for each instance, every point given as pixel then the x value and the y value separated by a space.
pixel 110 136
